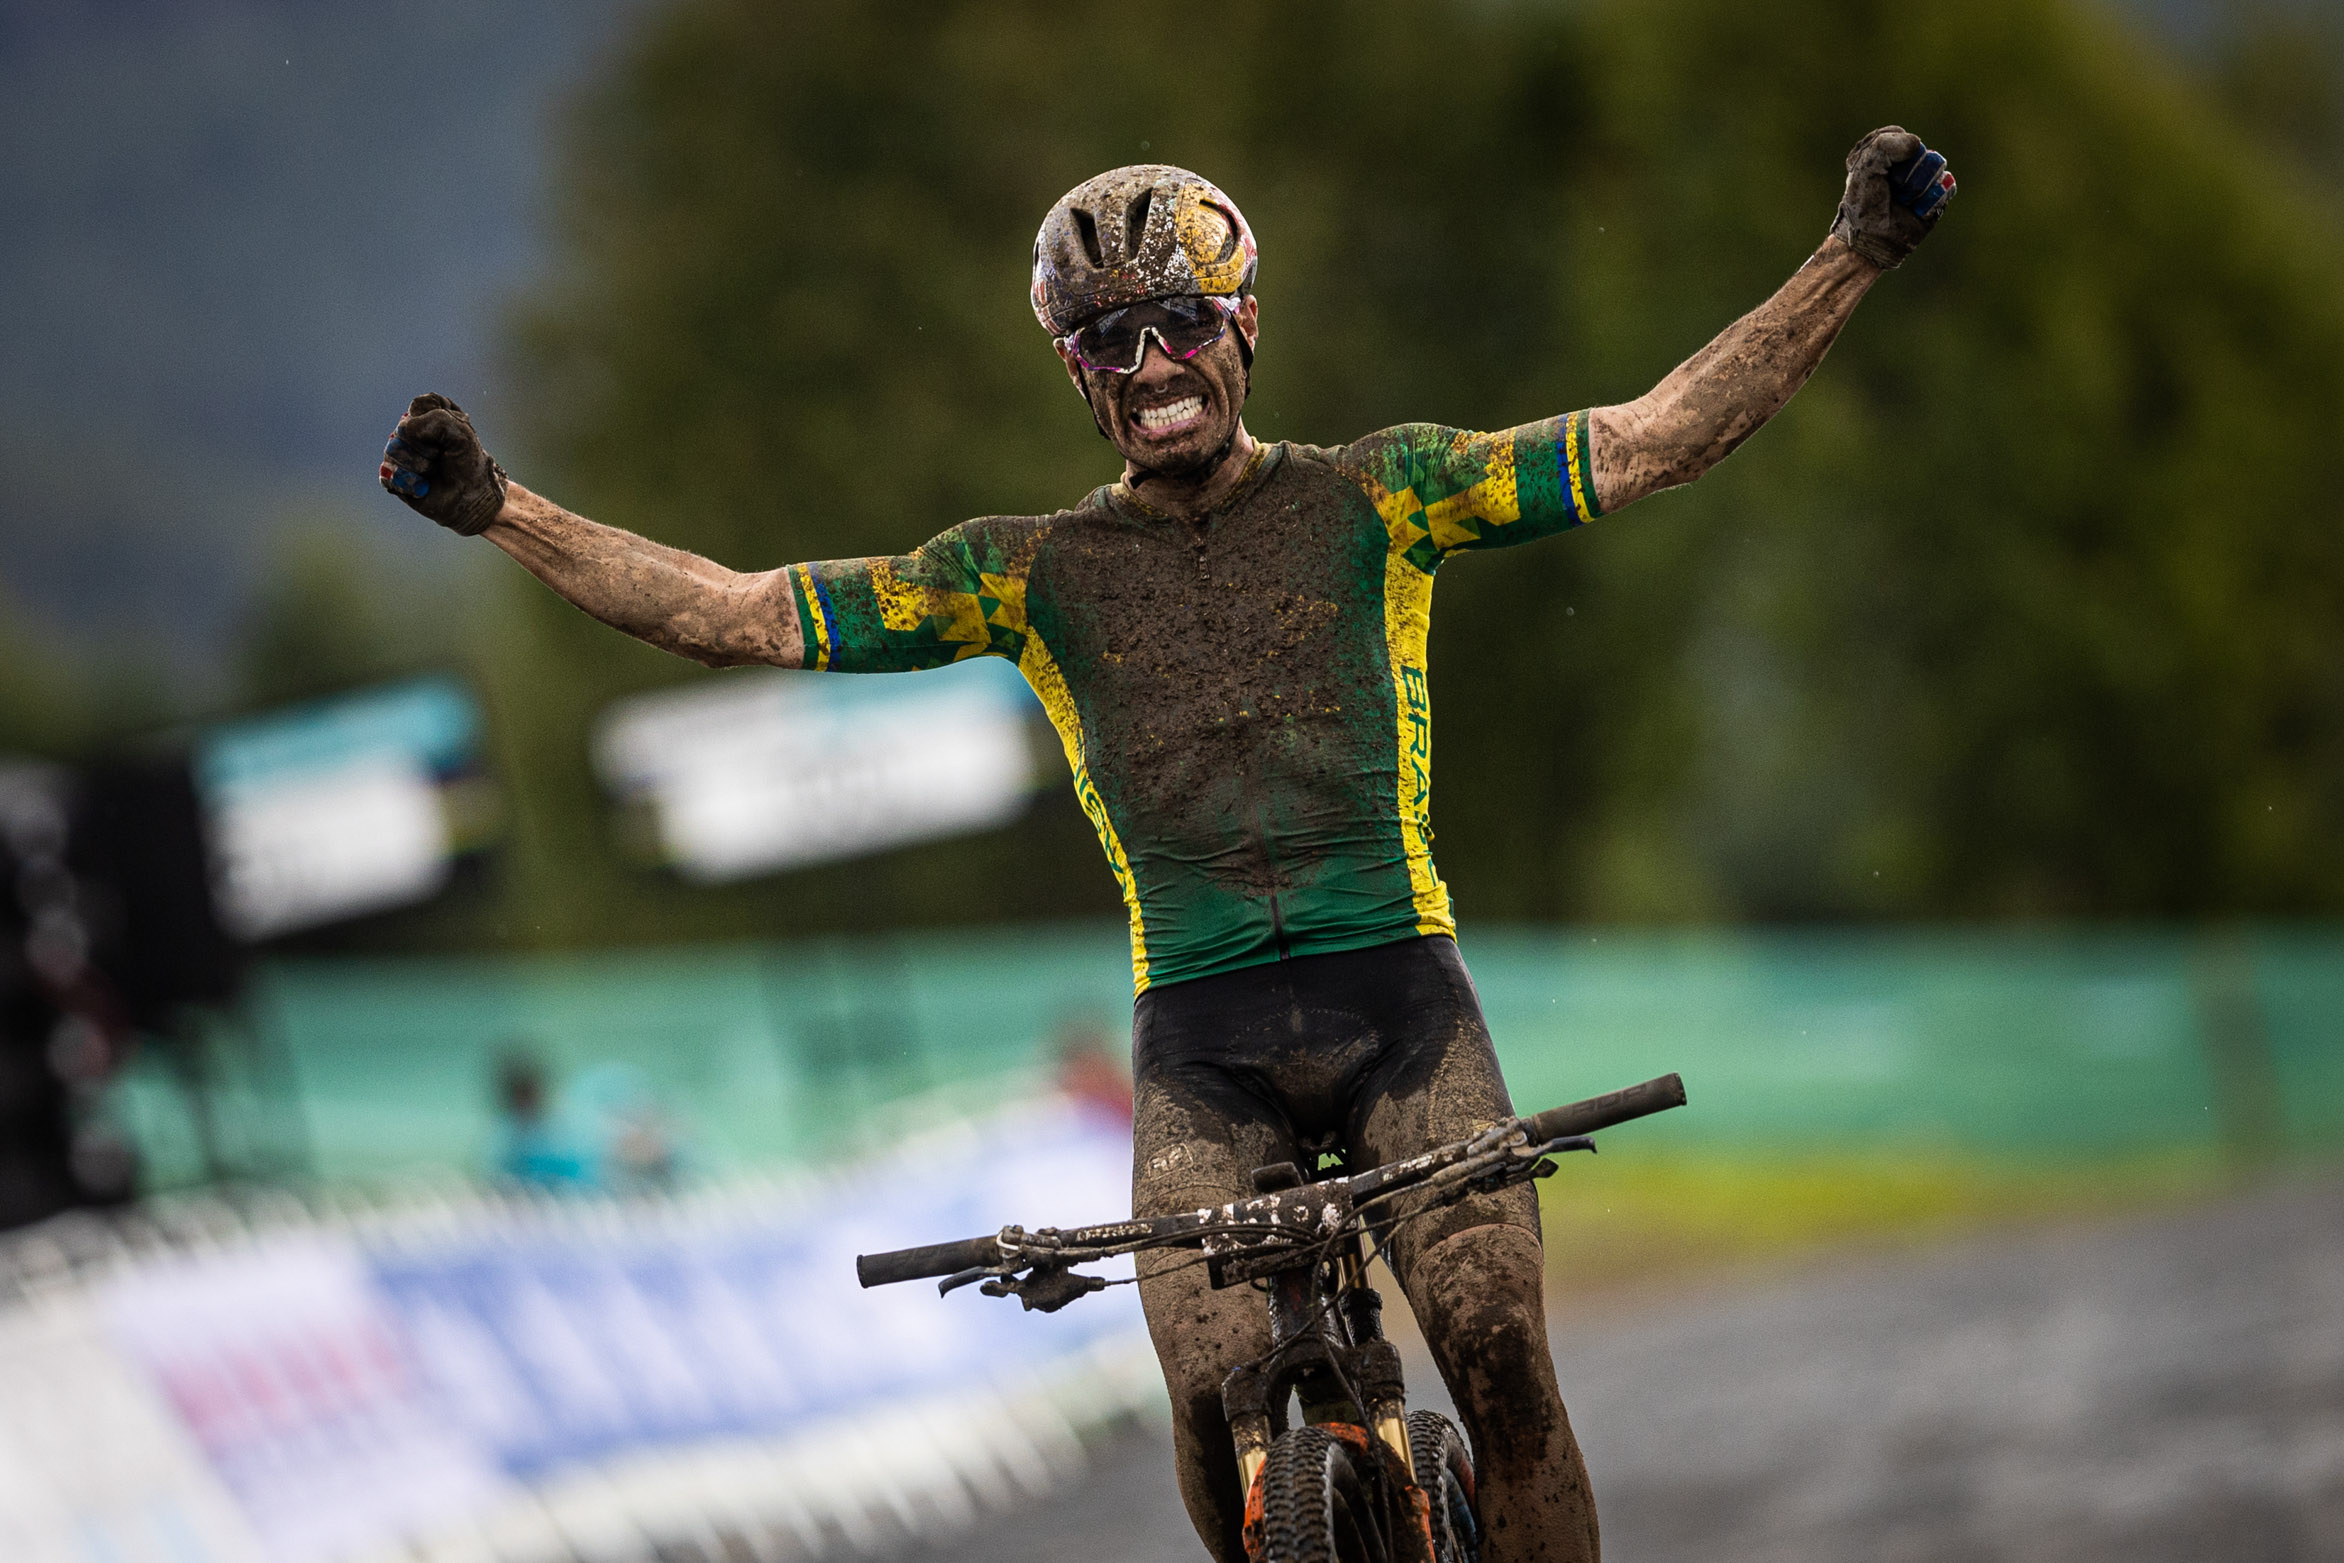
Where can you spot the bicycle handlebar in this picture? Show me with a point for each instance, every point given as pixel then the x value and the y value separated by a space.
pixel 918 1264
pixel 1577 1118
pixel 1601 1112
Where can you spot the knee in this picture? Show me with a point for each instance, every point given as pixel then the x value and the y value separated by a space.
pixel 1480 1296
pixel 1199 1336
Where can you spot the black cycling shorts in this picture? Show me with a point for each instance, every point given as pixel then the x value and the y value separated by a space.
pixel 1380 1052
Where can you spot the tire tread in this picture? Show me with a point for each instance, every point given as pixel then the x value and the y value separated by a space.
pixel 1301 1486
pixel 1439 1457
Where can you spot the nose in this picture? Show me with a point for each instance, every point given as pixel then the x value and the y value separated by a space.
pixel 1156 363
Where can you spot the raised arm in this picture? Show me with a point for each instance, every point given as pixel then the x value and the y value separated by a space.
pixel 1710 403
pixel 675 600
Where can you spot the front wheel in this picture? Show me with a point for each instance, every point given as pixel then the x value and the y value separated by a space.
pixel 1317 1504
pixel 1445 1471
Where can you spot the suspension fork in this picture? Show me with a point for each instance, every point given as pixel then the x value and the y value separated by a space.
pixel 1375 1362
pixel 1253 1396
pixel 1308 1342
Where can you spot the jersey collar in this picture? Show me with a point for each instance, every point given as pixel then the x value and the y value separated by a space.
pixel 1267 454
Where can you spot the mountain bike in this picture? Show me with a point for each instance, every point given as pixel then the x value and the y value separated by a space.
pixel 1362 1479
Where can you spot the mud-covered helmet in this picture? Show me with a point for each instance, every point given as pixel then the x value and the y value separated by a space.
pixel 1144 232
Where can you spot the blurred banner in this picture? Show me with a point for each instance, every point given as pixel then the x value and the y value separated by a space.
pixel 93 1465
pixel 772 770
pixel 352 805
pixel 524 1379
pixel 299 1389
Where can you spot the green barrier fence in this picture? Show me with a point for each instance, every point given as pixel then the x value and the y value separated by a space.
pixel 2057 1042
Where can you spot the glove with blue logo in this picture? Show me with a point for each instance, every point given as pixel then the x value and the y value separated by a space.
pixel 1897 189
pixel 435 464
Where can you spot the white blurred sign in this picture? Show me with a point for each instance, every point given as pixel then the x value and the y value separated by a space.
pixel 92 1462
pixel 360 838
pixel 334 810
pixel 768 771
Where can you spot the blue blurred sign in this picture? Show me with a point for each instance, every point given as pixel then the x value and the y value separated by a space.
pixel 559 1345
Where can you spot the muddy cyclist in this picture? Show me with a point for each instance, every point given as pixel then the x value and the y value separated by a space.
pixel 1230 641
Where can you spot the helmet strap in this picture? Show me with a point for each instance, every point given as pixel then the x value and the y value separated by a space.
pixel 1097 422
pixel 1244 350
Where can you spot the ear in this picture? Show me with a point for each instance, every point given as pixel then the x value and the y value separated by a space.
pixel 1073 370
pixel 1083 390
pixel 1248 318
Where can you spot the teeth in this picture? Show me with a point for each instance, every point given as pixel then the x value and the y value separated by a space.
pixel 1170 413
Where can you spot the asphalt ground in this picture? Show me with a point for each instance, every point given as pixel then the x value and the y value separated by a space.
pixel 2162 1387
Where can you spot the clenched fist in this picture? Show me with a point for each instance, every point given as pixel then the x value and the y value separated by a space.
pixel 1897 189
pixel 434 462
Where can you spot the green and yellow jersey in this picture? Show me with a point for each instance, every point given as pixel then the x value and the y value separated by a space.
pixel 1243 697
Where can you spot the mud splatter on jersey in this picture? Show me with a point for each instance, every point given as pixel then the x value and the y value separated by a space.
pixel 1244 697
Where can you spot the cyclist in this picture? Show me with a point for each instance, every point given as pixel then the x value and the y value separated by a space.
pixel 1230 642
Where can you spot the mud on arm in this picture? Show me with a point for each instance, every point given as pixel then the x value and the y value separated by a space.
pixel 674 600
pixel 1719 397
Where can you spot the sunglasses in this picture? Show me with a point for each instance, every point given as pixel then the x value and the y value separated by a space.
pixel 1185 326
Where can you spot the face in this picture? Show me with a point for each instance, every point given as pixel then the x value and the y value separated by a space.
pixel 1168 415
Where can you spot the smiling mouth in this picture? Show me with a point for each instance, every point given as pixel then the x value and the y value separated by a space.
pixel 1170 418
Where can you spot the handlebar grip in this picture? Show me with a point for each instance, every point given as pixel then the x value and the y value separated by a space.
pixel 915 1264
pixel 1601 1112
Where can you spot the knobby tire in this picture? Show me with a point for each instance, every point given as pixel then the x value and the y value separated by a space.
pixel 1444 1470
pixel 1318 1506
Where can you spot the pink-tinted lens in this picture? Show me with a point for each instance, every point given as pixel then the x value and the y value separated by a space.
pixel 1116 341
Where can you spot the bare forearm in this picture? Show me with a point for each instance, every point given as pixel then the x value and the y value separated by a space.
pixel 1720 396
pixel 675 600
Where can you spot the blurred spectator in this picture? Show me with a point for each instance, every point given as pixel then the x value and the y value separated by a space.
pixel 630 1137
pixel 531 1151
pixel 1089 1072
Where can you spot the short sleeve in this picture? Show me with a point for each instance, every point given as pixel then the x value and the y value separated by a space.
pixel 1442 491
pixel 959 595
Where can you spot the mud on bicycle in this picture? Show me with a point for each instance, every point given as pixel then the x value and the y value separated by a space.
pixel 1362 1479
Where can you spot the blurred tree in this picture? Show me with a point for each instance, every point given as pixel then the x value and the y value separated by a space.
pixel 60 696
pixel 2029 605
pixel 44 696
pixel 327 619
pixel 2279 67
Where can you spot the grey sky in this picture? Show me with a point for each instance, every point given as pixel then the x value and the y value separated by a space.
pixel 240 233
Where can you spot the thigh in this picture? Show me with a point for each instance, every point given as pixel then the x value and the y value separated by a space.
pixel 1199 1128
pixel 1435 1080
pixel 1196 1138
pixel 1193 1147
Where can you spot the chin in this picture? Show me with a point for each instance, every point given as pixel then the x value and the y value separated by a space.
pixel 1183 460
pixel 1185 454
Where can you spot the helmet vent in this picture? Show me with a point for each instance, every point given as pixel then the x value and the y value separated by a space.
pixel 1228 228
pixel 1135 223
pixel 1148 231
pixel 1086 228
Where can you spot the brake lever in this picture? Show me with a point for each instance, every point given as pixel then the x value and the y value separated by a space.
pixel 1525 1163
pixel 1046 1288
pixel 968 1277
